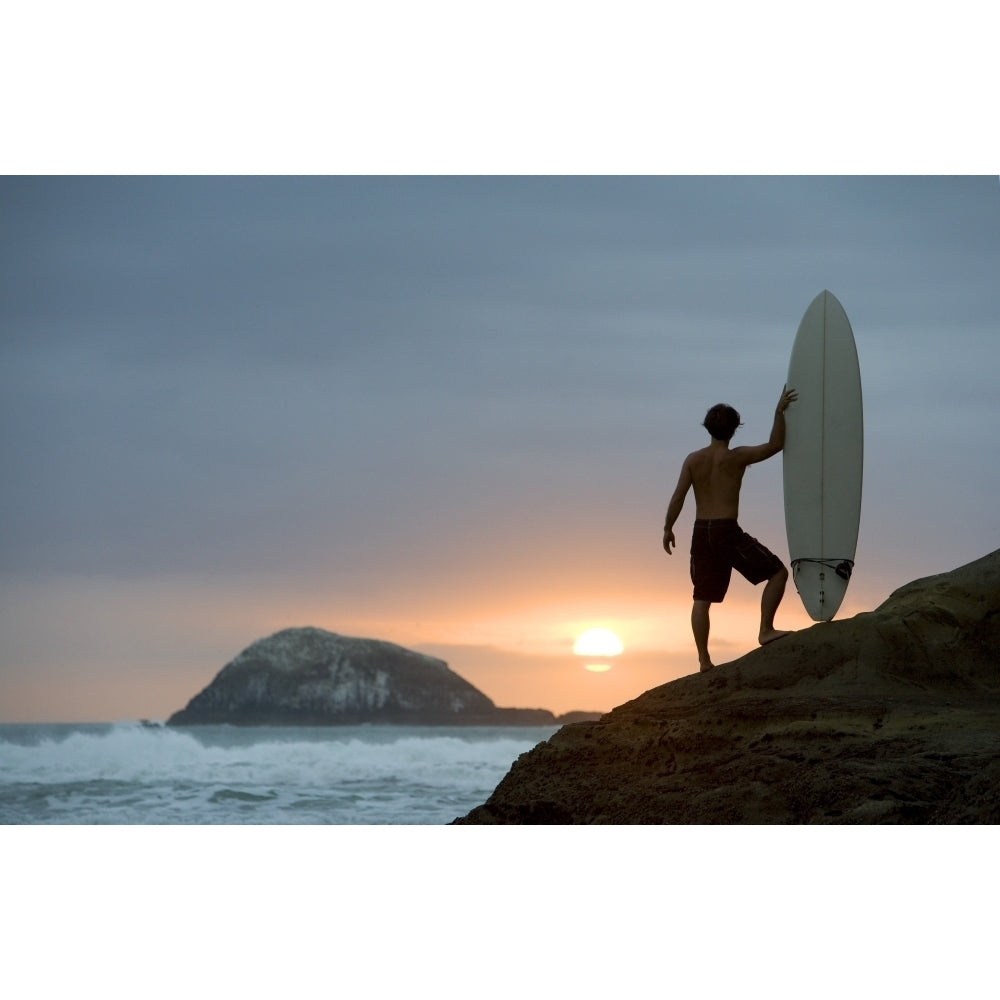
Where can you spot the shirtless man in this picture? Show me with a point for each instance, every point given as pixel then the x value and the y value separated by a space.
pixel 719 544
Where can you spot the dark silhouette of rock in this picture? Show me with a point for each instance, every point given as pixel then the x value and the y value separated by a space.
pixel 892 716
pixel 307 676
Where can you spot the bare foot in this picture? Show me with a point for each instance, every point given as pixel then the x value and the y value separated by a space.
pixel 707 665
pixel 765 637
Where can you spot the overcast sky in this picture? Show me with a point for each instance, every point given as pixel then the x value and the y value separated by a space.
pixel 449 412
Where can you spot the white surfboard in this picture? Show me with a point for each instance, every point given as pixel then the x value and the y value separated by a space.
pixel 823 457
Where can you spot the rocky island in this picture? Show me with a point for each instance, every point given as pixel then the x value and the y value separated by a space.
pixel 892 716
pixel 308 676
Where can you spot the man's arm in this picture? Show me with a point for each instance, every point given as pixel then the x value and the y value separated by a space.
pixel 758 453
pixel 676 504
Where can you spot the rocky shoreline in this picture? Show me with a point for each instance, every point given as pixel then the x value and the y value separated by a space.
pixel 892 716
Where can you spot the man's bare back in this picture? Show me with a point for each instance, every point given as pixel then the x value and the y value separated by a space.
pixel 716 475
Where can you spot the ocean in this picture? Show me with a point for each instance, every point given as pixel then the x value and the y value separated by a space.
pixel 130 773
pixel 226 896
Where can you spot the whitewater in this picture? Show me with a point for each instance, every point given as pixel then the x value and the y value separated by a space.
pixel 130 773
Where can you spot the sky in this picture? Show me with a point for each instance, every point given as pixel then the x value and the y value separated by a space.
pixel 449 411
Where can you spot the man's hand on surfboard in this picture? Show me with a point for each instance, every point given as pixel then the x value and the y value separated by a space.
pixel 788 396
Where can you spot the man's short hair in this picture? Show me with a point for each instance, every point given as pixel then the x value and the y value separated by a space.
pixel 721 421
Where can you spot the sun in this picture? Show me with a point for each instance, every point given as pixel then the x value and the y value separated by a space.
pixel 598 642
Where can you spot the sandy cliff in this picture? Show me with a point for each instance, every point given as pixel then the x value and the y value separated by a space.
pixel 892 716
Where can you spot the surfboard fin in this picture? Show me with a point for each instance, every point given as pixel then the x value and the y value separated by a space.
pixel 843 569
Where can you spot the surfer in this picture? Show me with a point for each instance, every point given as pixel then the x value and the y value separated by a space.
pixel 719 545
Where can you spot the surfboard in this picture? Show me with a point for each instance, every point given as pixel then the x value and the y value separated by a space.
pixel 823 457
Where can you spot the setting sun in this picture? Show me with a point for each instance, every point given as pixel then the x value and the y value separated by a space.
pixel 598 642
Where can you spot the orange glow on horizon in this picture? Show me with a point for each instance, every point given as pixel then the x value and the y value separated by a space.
pixel 100 649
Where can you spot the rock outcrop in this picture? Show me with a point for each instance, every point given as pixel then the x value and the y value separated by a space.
pixel 892 716
pixel 308 676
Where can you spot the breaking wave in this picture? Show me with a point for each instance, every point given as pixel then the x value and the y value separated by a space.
pixel 128 773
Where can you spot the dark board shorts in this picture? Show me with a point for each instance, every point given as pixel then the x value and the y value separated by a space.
pixel 717 548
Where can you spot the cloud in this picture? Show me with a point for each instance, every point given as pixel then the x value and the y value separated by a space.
pixel 397 384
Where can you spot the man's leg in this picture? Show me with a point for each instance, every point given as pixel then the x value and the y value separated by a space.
pixel 700 625
pixel 774 590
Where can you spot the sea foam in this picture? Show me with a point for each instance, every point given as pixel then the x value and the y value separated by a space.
pixel 130 773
